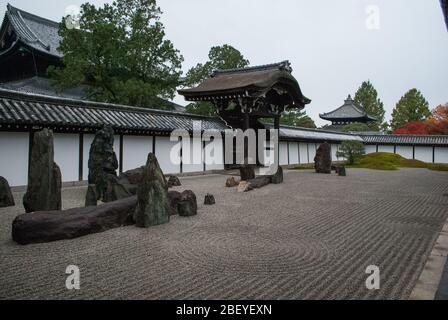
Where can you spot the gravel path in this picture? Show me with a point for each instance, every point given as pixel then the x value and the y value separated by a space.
pixel 309 238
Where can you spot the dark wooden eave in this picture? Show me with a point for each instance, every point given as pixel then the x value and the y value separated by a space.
pixel 253 82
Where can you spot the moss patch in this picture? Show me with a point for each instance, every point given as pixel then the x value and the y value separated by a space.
pixel 390 161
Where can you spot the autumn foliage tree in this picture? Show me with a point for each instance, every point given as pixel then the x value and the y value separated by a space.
pixel 413 128
pixel 438 123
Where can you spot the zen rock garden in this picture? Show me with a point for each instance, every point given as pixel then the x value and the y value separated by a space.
pixel 138 197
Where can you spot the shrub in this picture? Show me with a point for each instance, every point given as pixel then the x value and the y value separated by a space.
pixel 351 150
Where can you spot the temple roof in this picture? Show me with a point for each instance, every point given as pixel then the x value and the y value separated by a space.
pixel 349 111
pixel 252 82
pixel 410 140
pixel 18 109
pixel 37 32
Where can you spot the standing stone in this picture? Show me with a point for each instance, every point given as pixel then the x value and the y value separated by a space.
pixel 231 182
pixel 91 196
pixel 103 165
pixel 153 203
pixel 277 178
pixel 322 160
pixel 174 197
pixel 6 198
pixel 341 171
pixel 247 173
pixel 188 205
pixel 209 199
pixel 44 179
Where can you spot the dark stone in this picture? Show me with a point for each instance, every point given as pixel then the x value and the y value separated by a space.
pixel 91 197
pixel 341 171
pixel 44 179
pixel 209 199
pixel 244 186
pixel 322 160
pixel 132 177
pixel 277 178
pixel 188 205
pixel 173 181
pixel 260 182
pixel 153 205
pixel 103 167
pixel 46 226
pixel 6 198
pixel 247 173
pixel 175 197
pixel 231 182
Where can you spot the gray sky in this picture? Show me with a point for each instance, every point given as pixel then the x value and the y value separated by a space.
pixel 328 43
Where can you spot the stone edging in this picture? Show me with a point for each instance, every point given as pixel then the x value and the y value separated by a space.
pixel 428 282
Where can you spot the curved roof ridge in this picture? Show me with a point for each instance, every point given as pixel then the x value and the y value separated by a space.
pixel 284 65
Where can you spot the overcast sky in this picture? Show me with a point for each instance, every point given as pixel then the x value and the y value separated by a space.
pixel 328 43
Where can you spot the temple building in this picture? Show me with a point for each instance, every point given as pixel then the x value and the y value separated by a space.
pixel 28 103
pixel 348 113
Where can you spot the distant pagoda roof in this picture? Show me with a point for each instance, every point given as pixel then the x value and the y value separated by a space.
pixel 350 111
pixel 250 82
pixel 34 31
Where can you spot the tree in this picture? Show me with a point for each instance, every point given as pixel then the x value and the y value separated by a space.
pixel 220 58
pixel 438 123
pixel 367 97
pixel 297 119
pixel 411 107
pixel 121 54
pixel 413 127
pixel 351 150
pixel 356 127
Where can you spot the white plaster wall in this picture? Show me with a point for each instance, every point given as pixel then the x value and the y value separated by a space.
pixel 303 151
pixel 293 153
pixel 217 154
pixel 14 157
pixel 312 151
pixel 283 153
pixel 66 155
pixel 441 155
pixel 163 149
pixel 188 164
pixel 385 148
pixel 334 149
pixel 405 151
pixel 135 151
pixel 370 148
pixel 423 154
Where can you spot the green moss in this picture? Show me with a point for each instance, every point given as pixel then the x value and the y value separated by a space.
pixel 304 166
pixel 390 161
pixel 438 167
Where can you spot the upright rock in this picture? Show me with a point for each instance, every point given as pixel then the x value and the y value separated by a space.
pixel 209 199
pixel 44 179
pixel 91 197
pixel 103 167
pixel 341 171
pixel 153 203
pixel 247 173
pixel 188 205
pixel 6 198
pixel 174 197
pixel 322 160
pixel 277 178
pixel 173 181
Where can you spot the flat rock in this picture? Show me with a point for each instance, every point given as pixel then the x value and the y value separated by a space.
pixel 231 182
pixel 244 186
pixel 46 226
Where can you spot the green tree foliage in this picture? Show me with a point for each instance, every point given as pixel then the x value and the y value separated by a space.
pixel 367 97
pixel 411 107
pixel 121 54
pixel 220 58
pixel 356 127
pixel 351 150
pixel 297 119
